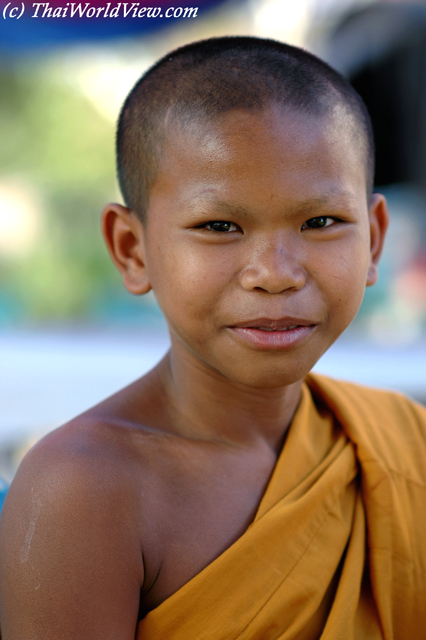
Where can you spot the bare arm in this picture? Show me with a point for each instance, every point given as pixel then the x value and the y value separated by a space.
pixel 70 553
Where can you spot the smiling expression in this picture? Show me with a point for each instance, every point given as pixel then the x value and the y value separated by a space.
pixel 257 242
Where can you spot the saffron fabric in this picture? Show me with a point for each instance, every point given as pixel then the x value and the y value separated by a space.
pixel 337 549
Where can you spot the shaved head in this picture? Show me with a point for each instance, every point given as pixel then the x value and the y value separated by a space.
pixel 202 81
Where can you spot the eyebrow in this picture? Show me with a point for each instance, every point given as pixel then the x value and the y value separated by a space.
pixel 218 206
pixel 335 198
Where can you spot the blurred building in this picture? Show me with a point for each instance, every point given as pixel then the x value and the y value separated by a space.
pixel 382 50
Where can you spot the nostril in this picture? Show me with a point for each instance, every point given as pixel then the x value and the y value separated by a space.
pixel 272 279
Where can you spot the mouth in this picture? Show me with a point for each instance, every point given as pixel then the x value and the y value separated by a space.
pixel 268 333
pixel 270 329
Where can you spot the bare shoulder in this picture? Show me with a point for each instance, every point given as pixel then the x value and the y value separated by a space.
pixel 71 535
pixel 80 464
pixel 97 464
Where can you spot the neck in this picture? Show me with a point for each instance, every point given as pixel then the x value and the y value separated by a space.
pixel 205 404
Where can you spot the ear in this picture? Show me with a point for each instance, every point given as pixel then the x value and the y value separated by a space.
pixel 125 239
pixel 379 221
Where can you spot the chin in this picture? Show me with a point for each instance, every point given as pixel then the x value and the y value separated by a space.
pixel 272 377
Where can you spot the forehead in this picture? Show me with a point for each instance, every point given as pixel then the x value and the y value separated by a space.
pixel 258 155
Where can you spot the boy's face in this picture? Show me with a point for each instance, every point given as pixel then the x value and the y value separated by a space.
pixel 257 242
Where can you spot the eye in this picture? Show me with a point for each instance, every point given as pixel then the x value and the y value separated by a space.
pixel 221 226
pixel 319 223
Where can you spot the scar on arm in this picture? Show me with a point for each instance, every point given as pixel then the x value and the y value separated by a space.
pixel 35 512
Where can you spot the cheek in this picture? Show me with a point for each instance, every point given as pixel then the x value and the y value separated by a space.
pixel 346 280
pixel 189 281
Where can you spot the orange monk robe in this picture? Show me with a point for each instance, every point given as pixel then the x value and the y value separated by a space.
pixel 337 549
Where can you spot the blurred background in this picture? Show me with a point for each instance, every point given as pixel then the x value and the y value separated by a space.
pixel 69 333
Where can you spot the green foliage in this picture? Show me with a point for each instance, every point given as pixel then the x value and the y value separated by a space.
pixel 53 137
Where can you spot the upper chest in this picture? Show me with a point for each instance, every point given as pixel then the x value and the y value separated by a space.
pixel 195 506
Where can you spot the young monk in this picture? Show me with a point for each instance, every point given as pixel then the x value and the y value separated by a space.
pixel 229 493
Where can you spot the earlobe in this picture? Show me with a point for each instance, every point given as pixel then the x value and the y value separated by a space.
pixel 124 237
pixel 379 221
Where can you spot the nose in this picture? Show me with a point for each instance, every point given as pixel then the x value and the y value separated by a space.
pixel 274 267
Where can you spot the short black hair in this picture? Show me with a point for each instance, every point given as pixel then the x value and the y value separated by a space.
pixel 206 79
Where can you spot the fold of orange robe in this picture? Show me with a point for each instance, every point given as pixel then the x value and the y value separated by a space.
pixel 337 549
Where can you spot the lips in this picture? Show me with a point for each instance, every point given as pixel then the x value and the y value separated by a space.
pixel 269 333
pixel 270 329
pixel 270 324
